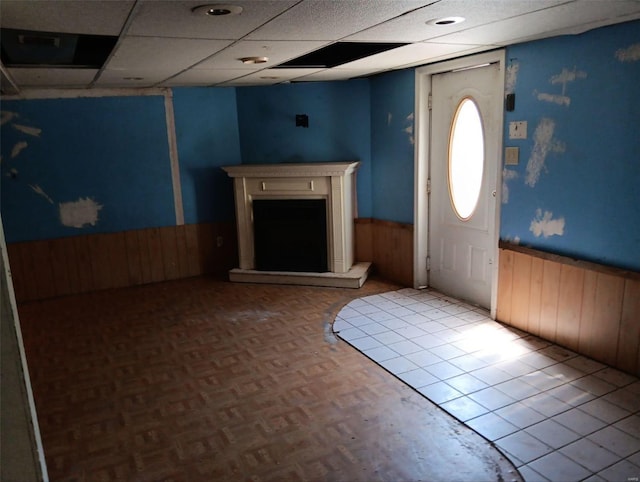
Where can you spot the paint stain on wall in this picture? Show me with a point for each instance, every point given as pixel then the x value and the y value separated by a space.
pixel 7 116
pixel 77 214
pixel 555 99
pixel 544 225
pixel 507 175
pixel 565 77
pixel 544 143
pixel 18 148
pixel 511 77
pixel 31 131
pixel 629 54
pixel 38 190
pixel 389 118
pixel 409 128
pixel 512 240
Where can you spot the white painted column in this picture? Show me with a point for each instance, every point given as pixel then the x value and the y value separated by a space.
pixel 173 156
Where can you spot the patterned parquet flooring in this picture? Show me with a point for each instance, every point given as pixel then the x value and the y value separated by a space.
pixel 205 380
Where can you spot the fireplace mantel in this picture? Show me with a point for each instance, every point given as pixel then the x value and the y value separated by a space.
pixel 312 169
pixel 332 181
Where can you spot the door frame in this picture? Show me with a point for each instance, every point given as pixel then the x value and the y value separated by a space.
pixel 422 163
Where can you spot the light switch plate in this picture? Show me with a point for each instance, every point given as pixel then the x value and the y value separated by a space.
pixel 518 130
pixel 511 156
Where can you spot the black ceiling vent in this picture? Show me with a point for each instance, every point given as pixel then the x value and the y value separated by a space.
pixel 28 48
pixel 338 54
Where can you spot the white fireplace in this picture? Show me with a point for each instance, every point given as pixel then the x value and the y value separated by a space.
pixel 332 182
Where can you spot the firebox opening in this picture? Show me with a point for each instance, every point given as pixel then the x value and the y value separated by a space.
pixel 290 235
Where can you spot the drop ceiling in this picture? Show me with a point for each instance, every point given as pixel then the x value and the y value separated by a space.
pixel 165 44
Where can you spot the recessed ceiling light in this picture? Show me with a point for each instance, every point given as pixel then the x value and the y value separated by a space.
pixel 445 21
pixel 216 10
pixel 254 60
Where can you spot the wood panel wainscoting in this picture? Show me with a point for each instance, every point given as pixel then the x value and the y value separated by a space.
pixel 589 308
pixel 388 245
pixel 79 264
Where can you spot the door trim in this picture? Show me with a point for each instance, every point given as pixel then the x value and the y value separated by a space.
pixel 422 162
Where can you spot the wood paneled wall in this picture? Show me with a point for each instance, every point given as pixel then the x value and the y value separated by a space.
pixel 80 264
pixel 586 307
pixel 389 246
pixel 57 267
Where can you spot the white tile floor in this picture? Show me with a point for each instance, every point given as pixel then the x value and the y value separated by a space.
pixel 557 415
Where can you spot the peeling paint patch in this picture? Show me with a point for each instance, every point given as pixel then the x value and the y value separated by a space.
pixel 76 214
pixel 7 116
pixel 38 190
pixel 409 131
pixel 563 78
pixel 512 240
pixel 556 99
pixel 13 173
pixel 32 131
pixel 630 54
pixel 507 175
pixel 543 144
pixel 567 76
pixel 545 225
pixel 511 77
pixel 409 128
pixel 18 148
pixel 389 118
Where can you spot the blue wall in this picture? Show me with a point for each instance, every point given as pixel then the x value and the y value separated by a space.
pixel 576 190
pixel 392 145
pixel 207 138
pixel 339 127
pixel 111 152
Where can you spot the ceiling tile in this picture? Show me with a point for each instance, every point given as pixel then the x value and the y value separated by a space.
pixel 175 19
pixel 273 76
pixel 413 27
pixel 331 20
pixel 337 73
pixel 204 77
pixel 98 18
pixel 155 53
pixel 447 54
pixel 277 52
pixel 245 82
pixel 132 77
pixel 53 77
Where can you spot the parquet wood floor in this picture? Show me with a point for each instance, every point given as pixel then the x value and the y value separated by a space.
pixel 204 380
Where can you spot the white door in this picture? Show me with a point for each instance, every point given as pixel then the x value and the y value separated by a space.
pixel 465 156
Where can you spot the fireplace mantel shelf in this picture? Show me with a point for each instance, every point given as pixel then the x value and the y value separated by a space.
pixel 332 181
pixel 315 169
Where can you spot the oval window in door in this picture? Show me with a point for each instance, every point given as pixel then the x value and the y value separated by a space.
pixel 466 158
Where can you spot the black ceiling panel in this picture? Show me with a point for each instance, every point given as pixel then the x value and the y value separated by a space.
pixel 338 54
pixel 28 48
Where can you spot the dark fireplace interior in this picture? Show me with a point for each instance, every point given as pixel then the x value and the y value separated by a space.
pixel 290 235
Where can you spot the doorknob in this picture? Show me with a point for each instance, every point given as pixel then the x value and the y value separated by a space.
pixel 493 193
